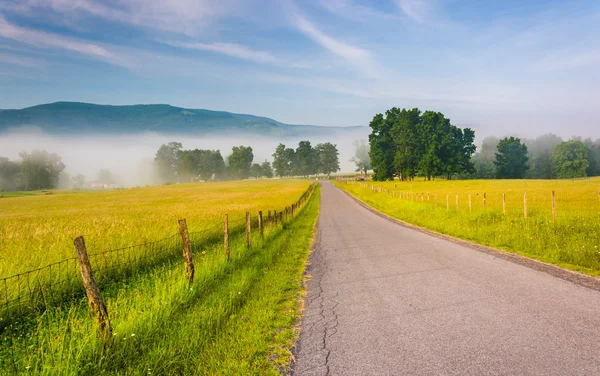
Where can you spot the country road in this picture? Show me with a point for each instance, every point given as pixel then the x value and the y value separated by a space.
pixel 384 299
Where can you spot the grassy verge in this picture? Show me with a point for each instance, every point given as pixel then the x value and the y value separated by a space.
pixel 572 242
pixel 236 318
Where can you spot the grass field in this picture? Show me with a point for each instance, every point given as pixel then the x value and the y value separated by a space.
pixel 573 241
pixel 236 318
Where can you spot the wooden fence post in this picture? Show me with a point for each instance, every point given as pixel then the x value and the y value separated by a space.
pixel 470 206
pixel 275 217
pixel 525 205
pixel 281 217
pixel 187 250
pixel 260 225
pixel 93 292
pixel 484 201
pixel 422 197
pixel 269 219
pixel 226 236
pixel 457 202
pixel 447 202
pixel 553 208
pixel 248 229
pixel 504 203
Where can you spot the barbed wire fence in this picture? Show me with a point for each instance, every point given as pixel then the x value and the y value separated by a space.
pixel 32 292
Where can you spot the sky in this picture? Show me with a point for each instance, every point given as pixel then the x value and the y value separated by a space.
pixel 500 67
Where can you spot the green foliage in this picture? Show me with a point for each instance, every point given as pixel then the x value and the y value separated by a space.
pixel 283 160
pixel 10 179
pixel 267 170
pixel 168 161
pixel 540 153
pixel 256 171
pixel 511 159
pixel 483 160
pixel 327 158
pixel 570 160
pixel 240 162
pixel 305 161
pixel 406 143
pixel 40 169
pixel 202 164
pixel 361 156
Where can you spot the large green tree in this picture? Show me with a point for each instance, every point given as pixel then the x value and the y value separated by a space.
pixel 381 146
pixel 327 158
pixel 40 169
pixel 511 159
pixel 361 156
pixel 540 156
pixel 305 159
pixel 240 162
pixel 570 160
pixel 407 143
pixel 267 169
pixel 283 160
pixel 168 162
pixel 483 160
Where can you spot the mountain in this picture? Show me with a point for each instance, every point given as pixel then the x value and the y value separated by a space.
pixel 84 118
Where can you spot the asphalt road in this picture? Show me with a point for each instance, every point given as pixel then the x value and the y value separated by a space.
pixel 388 300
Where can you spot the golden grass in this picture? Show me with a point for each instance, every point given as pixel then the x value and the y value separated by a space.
pixel 38 230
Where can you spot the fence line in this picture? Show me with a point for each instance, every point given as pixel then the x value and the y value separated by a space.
pixel 54 284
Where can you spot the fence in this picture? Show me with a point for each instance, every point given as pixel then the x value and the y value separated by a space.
pixel 32 292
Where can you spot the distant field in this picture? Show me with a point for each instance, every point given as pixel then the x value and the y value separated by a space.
pixel 237 317
pixel 39 229
pixel 572 241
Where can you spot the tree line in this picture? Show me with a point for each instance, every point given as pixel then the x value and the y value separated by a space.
pixel 407 143
pixel 38 169
pixel 546 157
pixel 175 164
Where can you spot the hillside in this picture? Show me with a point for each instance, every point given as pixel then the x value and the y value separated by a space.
pixel 78 118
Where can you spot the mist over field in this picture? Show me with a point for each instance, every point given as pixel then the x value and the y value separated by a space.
pixel 130 157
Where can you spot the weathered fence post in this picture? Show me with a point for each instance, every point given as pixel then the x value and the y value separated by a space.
pixel 504 203
pixel 470 206
pixel 269 219
pixel 525 205
pixel 260 225
pixel 275 217
pixel 187 250
pixel 484 201
pixel 248 229
pixel 226 237
pixel 422 197
pixel 281 217
pixel 553 208
pixel 293 207
pixel 93 292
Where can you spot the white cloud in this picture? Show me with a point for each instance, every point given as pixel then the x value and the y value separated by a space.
pixel 568 60
pixel 229 49
pixel 51 40
pixel 417 10
pixel 19 60
pixel 355 12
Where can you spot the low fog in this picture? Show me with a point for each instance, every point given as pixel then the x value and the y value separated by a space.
pixel 130 157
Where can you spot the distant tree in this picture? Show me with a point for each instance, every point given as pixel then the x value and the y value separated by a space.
pixel 407 143
pixel 540 154
pixel 305 161
pixel 327 158
pixel 483 160
pixel 78 181
pixel 593 149
pixel 40 169
pixel 168 161
pixel 283 160
pixel 105 177
pixel 218 165
pixel 240 161
pixel 267 170
pixel 361 156
pixel 570 160
pixel 256 171
pixel 511 159
pixel 382 150
pixel 10 177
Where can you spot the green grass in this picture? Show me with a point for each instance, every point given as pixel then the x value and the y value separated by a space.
pixel 236 318
pixel 573 241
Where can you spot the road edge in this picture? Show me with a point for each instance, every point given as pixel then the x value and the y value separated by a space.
pixel 572 276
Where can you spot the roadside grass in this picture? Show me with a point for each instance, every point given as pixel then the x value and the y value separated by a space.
pixel 572 242
pixel 236 318
pixel 36 230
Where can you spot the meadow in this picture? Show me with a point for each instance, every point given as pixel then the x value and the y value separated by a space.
pixel 236 317
pixel 569 238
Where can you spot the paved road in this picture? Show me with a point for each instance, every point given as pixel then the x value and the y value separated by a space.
pixel 388 300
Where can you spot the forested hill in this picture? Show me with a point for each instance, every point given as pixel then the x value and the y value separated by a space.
pixel 74 118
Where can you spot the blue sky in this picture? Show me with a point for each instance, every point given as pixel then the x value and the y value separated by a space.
pixel 502 67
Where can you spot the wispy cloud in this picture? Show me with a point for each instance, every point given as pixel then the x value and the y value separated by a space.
pixel 417 10
pixel 355 12
pixel 358 57
pixel 229 49
pixel 51 40
pixel 568 60
pixel 19 60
